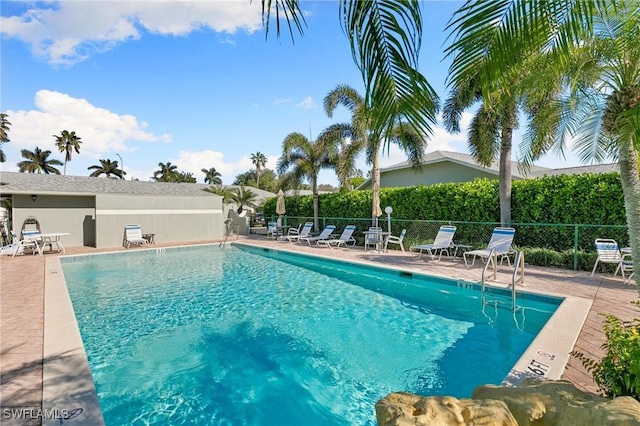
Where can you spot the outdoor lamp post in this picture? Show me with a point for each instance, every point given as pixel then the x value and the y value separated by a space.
pixel 388 210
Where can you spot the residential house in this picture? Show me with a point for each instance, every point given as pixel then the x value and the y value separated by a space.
pixel 448 166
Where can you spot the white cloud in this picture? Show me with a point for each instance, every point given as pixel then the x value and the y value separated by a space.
pixel 66 32
pixel 306 103
pixel 101 130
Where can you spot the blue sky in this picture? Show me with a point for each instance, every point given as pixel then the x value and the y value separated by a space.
pixel 194 83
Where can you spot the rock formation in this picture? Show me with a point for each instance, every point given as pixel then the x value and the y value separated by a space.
pixel 534 402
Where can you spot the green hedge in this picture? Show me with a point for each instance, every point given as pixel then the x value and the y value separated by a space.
pixel 587 199
pixel 568 199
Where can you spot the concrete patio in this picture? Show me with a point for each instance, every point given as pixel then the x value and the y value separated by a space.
pixel 22 310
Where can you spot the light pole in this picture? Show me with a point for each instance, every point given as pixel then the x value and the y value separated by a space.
pixel 388 210
pixel 121 166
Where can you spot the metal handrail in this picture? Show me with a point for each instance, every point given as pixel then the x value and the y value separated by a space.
pixel 518 264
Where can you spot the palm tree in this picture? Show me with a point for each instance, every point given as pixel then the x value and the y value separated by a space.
pixel 68 142
pixel 107 168
pixel 166 173
pixel 490 133
pixel 385 38
pixel 259 160
pixel 594 46
pixel 220 190
pixel 211 176
pixel 38 162
pixel 303 159
pixel 243 197
pixel 363 135
pixel 4 135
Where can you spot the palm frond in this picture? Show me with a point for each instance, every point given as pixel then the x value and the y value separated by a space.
pixel 508 30
pixel 484 137
pixel 291 14
pixel 385 37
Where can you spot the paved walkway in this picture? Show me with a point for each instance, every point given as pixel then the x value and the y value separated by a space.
pixel 22 311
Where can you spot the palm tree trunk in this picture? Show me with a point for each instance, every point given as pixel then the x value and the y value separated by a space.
pixel 630 179
pixel 64 173
pixel 504 174
pixel 316 203
pixel 375 180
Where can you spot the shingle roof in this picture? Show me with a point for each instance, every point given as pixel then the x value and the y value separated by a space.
pixel 594 168
pixel 467 160
pixel 32 183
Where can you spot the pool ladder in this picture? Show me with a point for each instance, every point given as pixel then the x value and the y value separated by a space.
pixel 516 278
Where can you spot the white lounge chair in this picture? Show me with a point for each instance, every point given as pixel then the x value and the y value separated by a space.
pixel 500 244
pixel 395 240
pixel 344 239
pixel 608 252
pixel 133 235
pixel 31 243
pixel 324 235
pixel 304 232
pixel 442 243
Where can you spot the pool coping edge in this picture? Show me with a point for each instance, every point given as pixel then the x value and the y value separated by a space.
pixel 67 383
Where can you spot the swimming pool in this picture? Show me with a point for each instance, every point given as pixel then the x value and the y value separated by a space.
pixel 206 335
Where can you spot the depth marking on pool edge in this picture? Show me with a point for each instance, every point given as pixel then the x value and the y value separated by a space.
pixel 539 368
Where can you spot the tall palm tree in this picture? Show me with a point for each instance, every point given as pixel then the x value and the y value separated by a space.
pixel 302 159
pixel 4 135
pixel 259 160
pixel 38 162
pixel 67 142
pixel 107 168
pixel 491 131
pixel 166 172
pixel 594 45
pixel 364 136
pixel 385 38
pixel 212 176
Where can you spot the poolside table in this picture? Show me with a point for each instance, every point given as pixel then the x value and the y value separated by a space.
pixel 51 238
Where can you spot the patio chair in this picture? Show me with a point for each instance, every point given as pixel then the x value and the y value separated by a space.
pixel 395 240
pixel 608 252
pixel 31 243
pixel 443 241
pixel 344 239
pixel 324 235
pixel 626 266
pixel 272 229
pixel 305 231
pixel 133 235
pixel 373 238
pixel 500 244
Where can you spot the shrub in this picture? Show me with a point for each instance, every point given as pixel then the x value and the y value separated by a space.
pixel 618 373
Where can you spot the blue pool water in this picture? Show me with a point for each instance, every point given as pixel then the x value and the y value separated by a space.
pixel 214 336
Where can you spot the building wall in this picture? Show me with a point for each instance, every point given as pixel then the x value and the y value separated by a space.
pixel 58 213
pixel 444 172
pixel 170 218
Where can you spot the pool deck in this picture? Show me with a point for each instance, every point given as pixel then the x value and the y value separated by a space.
pixel 24 383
